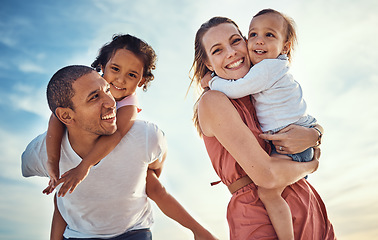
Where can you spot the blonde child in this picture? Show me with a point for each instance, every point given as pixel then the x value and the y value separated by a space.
pixel 127 63
pixel 277 98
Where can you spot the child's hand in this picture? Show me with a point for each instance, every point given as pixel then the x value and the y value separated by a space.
pixel 53 170
pixel 50 187
pixel 205 80
pixel 71 179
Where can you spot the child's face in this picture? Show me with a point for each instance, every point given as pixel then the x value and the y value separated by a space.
pixel 124 72
pixel 266 37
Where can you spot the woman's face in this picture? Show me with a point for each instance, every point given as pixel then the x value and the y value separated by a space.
pixel 226 51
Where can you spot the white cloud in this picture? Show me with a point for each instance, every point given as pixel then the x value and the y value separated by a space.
pixel 29 67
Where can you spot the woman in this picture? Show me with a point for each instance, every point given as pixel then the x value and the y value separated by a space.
pixel 239 155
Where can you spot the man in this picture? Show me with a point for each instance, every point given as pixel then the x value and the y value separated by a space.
pixel 111 202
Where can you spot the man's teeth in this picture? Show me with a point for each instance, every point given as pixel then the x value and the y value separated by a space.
pixel 235 64
pixel 109 116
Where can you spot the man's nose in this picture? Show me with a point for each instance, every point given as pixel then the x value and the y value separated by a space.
pixel 109 101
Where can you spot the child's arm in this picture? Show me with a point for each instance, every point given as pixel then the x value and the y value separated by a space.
pixel 58 224
pixel 54 137
pixel 105 144
pixel 172 208
pixel 259 78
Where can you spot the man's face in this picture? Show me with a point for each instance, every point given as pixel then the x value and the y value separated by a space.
pixel 94 107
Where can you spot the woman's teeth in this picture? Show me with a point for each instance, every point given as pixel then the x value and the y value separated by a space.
pixel 235 64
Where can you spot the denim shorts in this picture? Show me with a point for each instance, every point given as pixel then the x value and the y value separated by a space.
pixel 305 156
pixel 140 234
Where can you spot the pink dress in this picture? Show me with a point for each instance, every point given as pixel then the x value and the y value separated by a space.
pixel 246 215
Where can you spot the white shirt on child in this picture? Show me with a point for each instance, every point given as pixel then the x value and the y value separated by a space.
pixel 112 198
pixel 278 98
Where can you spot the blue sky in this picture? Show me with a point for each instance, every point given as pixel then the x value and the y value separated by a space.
pixel 335 62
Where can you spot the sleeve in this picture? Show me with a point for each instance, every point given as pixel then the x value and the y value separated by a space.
pixel 129 100
pixel 156 143
pixel 34 158
pixel 256 80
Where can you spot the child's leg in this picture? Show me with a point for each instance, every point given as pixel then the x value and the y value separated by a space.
pixel 278 211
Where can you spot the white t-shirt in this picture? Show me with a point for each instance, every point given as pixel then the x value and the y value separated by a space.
pixel 112 198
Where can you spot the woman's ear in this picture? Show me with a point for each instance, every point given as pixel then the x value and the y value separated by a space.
pixel 142 82
pixel 209 67
pixel 65 115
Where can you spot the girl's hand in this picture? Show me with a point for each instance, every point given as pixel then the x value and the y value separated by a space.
pixel 53 170
pixel 71 179
pixel 204 235
pixel 292 139
pixel 205 80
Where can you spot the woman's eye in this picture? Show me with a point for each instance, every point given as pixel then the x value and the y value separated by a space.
pixel 216 51
pixel 236 40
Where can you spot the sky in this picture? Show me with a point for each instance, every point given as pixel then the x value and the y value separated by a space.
pixel 335 62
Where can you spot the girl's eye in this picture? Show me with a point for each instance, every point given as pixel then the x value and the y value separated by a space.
pixel 132 75
pixel 115 69
pixel 269 35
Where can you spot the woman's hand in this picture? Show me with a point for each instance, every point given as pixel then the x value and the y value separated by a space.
pixel 293 139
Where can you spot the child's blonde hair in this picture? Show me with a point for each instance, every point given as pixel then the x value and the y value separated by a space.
pixel 291 35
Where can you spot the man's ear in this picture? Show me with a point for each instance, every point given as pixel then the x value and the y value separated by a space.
pixel 142 82
pixel 65 115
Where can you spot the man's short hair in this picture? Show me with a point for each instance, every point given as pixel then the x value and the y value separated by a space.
pixel 60 91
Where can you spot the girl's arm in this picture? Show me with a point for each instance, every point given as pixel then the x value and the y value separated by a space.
pixel 58 224
pixel 172 208
pixel 54 137
pixel 239 141
pixel 105 144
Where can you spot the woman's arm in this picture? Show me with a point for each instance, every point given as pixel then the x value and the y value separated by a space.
pixel 294 139
pixel 58 224
pixel 239 141
pixel 105 144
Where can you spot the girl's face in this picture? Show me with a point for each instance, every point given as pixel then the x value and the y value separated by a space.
pixel 226 51
pixel 266 37
pixel 124 72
